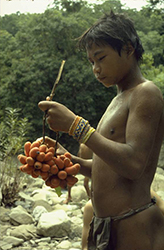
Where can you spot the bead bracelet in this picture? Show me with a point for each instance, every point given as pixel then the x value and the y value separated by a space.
pixel 81 130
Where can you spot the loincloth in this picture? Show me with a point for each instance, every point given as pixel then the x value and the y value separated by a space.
pixel 100 228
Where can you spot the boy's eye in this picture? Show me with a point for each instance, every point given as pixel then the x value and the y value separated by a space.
pixel 91 62
pixel 101 58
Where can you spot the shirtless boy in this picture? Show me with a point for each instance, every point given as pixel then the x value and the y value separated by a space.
pixel 125 144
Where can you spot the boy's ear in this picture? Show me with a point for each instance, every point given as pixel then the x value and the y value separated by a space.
pixel 129 49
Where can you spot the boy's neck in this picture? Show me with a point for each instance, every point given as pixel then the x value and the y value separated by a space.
pixel 133 79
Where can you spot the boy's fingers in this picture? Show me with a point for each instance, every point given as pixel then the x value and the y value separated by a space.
pixel 40 139
pixel 48 140
pixel 44 105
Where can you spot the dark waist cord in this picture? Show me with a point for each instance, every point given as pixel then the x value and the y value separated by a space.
pixel 134 211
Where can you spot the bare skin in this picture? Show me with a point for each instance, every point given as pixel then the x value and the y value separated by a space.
pixel 88 215
pixel 125 147
pixel 86 185
pixel 69 197
pixel 85 153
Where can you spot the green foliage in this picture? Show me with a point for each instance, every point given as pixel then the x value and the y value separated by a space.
pixel 10 23
pixel 13 132
pixel 151 43
pixel 151 72
pixel 32 47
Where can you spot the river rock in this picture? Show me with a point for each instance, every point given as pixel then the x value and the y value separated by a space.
pixel 54 224
pixel 25 232
pixel 42 203
pixel 161 194
pixel 76 227
pixel 78 193
pixel 19 216
pixel 37 212
pixel 25 197
pixel 4 214
pixel 65 244
pixel 158 182
pixel 10 241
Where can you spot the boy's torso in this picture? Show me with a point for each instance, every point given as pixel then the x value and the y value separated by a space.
pixel 112 194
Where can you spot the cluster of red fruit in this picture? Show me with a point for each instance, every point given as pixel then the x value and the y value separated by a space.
pixel 39 160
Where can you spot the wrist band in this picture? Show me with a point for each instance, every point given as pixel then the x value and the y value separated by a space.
pixel 81 130
pixel 74 125
pixel 85 138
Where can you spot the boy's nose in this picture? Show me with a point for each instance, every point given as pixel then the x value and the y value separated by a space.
pixel 96 70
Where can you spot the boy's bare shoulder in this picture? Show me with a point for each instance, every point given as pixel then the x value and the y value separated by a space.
pixel 147 92
pixel 149 88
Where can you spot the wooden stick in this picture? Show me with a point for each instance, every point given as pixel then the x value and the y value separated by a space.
pixel 57 80
pixel 50 99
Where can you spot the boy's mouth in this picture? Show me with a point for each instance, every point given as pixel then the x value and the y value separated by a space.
pixel 100 79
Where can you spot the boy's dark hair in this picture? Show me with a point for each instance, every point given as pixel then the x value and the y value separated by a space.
pixel 116 30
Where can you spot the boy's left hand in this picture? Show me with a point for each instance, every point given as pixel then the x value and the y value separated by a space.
pixel 52 143
pixel 59 117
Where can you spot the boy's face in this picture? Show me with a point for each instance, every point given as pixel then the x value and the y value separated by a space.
pixel 108 67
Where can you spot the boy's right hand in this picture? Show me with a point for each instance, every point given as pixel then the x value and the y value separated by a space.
pixel 59 117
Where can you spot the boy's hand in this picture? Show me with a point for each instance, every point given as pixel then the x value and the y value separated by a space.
pixel 52 143
pixel 59 117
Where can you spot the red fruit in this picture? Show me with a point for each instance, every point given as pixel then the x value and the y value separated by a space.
pixel 38 165
pixel 43 148
pixel 35 144
pixel 30 161
pixel 59 162
pixel 48 156
pixel 62 175
pixel 45 167
pixel 22 158
pixel 55 181
pixel 40 157
pixel 34 152
pixel 54 169
pixel 27 146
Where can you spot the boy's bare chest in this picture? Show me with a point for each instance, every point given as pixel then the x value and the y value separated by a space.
pixel 113 123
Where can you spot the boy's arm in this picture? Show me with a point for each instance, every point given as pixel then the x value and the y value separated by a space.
pixel 84 153
pixel 130 158
pixel 85 164
pixel 159 201
pixel 127 159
